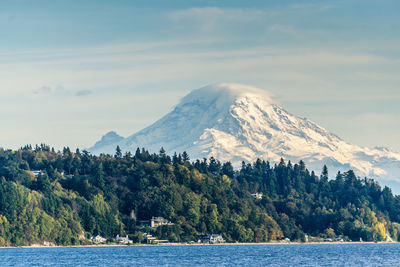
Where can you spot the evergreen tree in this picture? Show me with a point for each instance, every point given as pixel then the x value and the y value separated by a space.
pixel 118 152
pixel 324 174
pixel 185 156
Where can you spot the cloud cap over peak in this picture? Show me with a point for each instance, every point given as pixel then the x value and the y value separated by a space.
pixel 226 92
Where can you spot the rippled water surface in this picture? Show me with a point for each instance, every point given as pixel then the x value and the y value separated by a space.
pixel 252 255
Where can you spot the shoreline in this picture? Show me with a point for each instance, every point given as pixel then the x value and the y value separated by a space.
pixel 199 244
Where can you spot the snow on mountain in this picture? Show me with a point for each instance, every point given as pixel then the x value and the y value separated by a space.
pixel 238 122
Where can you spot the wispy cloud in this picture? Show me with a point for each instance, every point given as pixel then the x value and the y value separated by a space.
pixel 85 73
pixel 48 90
pixel 211 19
pixel 57 91
pixel 313 7
pixel 224 14
pixel 84 92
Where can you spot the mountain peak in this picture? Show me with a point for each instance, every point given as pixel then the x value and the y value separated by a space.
pixel 226 93
pixel 109 139
pixel 236 122
pixel 112 135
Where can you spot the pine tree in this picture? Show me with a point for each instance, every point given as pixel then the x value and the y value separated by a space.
pixel 324 174
pixel 118 153
pixel 99 176
pixel 185 156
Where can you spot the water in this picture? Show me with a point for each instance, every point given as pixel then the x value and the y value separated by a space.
pixel 254 255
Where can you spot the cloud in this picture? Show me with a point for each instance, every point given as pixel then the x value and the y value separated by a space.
pixel 248 21
pixel 48 90
pixel 215 13
pixel 206 19
pixel 314 7
pixel 84 92
pixel 118 68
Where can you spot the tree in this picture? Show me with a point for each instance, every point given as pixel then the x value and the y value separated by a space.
pixel 185 156
pixel 99 176
pixel 227 169
pixel 324 174
pixel 118 152
pixel 43 183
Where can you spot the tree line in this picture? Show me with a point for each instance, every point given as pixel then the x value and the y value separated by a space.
pixel 77 195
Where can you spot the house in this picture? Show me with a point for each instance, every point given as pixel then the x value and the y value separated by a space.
pixel 153 240
pixel 211 239
pixel 123 240
pixel 257 195
pixel 98 239
pixel 149 238
pixel 159 221
pixel 335 239
pixel 37 173
pixel 155 222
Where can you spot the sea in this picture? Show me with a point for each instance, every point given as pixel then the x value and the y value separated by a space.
pixel 220 255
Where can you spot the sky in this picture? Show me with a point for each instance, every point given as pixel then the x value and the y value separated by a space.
pixel 73 70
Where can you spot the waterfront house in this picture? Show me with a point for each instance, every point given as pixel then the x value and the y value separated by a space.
pixel 153 240
pixel 335 239
pixel 98 239
pixel 149 238
pixel 211 239
pixel 123 240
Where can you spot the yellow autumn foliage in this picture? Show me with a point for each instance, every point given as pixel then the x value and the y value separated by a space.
pixel 226 179
pixel 197 175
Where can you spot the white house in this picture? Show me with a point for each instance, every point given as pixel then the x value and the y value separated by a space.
pixel 257 195
pixel 153 240
pixel 155 222
pixel 123 240
pixel 212 239
pixel 98 239
pixel 37 173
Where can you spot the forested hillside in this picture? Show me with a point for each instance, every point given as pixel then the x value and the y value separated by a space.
pixel 77 195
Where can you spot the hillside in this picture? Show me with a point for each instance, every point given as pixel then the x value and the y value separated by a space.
pixel 77 195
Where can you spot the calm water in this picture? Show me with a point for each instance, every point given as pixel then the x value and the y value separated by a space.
pixel 260 255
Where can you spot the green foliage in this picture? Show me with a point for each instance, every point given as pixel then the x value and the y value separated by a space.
pixel 78 195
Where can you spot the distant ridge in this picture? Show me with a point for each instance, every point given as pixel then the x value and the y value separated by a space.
pixel 109 138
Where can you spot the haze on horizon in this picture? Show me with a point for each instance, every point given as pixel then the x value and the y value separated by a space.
pixel 74 70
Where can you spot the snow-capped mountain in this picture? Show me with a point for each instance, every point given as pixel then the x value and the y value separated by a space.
pixel 238 122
